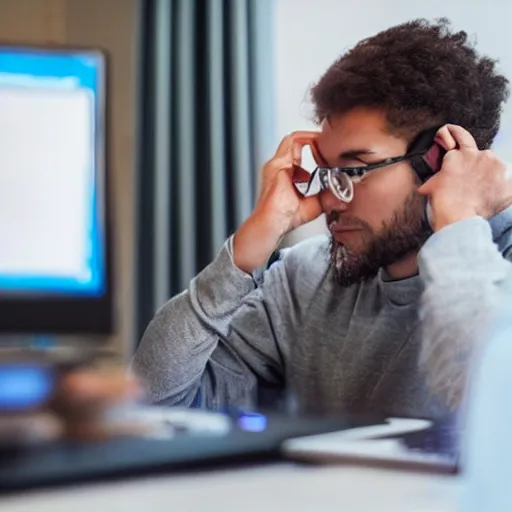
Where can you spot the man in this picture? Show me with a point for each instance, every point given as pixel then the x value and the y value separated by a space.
pixel 383 315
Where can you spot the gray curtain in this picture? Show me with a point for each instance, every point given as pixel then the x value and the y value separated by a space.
pixel 205 127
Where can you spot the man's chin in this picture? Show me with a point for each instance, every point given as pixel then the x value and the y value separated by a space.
pixel 406 232
pixel 349 267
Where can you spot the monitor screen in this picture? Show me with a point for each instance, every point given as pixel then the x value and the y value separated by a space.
pixel 50 230
pixel 52 180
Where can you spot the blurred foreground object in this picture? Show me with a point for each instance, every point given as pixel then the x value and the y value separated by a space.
pixel 488 450
pixel 47 395
pixel 89 403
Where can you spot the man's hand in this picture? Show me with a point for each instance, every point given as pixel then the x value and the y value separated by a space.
pixel 280 207
pixel 470 183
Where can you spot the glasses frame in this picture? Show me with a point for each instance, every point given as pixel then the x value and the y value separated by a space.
pixel 352 175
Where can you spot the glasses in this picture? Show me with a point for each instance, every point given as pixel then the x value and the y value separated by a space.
pixel 340 180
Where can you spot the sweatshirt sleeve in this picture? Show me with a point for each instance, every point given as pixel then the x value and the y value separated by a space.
pixel 218 341
pixel 467 280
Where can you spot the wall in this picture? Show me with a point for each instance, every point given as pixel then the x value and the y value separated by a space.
pixel 310 35
pixel 110 24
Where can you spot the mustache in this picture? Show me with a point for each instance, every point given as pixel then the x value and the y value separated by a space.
pixel 335 216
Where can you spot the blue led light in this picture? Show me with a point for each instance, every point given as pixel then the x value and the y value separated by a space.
pixel 253 422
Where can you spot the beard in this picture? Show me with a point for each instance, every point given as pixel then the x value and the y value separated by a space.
pixel 405 233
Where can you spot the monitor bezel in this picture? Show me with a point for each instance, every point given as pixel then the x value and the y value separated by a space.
pixel 66 314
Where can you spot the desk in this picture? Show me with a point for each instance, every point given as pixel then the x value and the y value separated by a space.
pixel 260 489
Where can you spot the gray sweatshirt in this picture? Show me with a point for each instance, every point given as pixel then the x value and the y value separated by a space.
pixel 393 347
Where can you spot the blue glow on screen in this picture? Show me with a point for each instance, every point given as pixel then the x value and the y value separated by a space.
pixel 49 68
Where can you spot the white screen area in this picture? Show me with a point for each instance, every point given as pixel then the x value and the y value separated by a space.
pixel 45 182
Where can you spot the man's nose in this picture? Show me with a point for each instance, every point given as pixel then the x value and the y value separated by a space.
pixel 331 203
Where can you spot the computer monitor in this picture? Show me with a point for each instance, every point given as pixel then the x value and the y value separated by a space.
pixel 54 216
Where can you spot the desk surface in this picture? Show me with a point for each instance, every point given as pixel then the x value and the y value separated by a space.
pixel 271 487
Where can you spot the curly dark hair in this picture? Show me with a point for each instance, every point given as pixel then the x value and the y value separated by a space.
pixel 422 75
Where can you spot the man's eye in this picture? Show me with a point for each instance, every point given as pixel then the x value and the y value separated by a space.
pixel 354 163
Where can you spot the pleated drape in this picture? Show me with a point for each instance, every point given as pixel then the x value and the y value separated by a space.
pixel 205 127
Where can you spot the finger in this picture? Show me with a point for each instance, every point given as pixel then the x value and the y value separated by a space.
pixel 300 175
pixel 310 208
pixel 301 137
pixel 462 137
pixel 445 139
pixel 297 153
pixel 424 190
pixel 286 164
pixel 428 186
pixel 277 164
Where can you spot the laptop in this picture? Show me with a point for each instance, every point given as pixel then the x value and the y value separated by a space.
pixel 406 443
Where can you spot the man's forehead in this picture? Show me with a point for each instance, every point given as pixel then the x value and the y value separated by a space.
pixel 361 131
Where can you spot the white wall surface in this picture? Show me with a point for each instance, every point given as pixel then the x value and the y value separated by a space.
pixel 311 34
